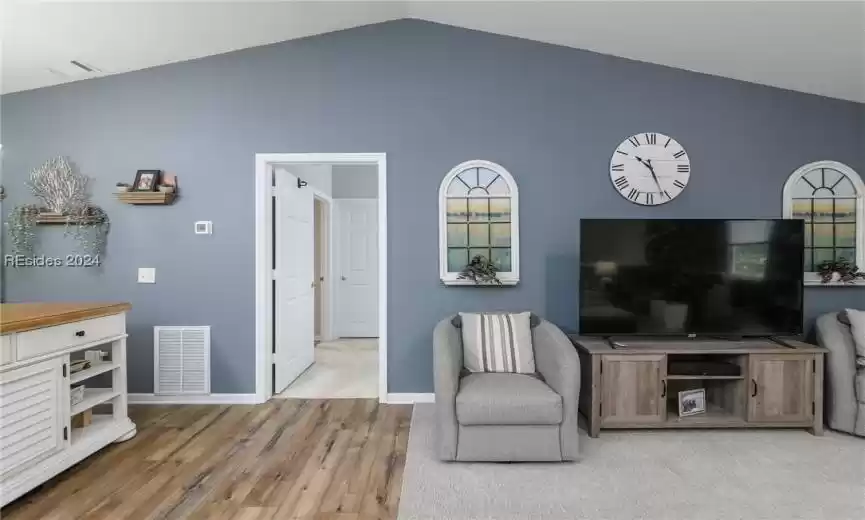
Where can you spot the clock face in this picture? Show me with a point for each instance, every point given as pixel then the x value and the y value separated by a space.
pixel 650 169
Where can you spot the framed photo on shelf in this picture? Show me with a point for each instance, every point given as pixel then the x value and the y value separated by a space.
pixel 146 180
pixel 692 402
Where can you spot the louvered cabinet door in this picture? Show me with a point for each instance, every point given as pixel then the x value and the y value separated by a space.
pixel 31 421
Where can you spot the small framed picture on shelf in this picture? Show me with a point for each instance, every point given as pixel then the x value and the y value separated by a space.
pixel 692 402
pixel 146 180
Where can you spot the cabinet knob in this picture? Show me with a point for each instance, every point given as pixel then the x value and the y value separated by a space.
pixel 79 333
pixel 754 391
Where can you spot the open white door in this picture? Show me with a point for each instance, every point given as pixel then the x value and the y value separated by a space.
pixel 294 341
pixel 357 253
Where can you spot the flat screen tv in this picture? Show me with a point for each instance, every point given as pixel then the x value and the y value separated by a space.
pixel 698 277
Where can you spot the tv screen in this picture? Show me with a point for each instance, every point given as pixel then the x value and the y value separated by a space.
pixel 696 276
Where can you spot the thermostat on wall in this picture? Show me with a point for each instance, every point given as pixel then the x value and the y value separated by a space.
pixel 203 227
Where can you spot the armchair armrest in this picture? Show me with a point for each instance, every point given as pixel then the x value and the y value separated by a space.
pixel 840 366
pixel 557 361
pixel 447 364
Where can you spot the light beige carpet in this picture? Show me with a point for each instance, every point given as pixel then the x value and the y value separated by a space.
pixel 649 475
pixel 343 369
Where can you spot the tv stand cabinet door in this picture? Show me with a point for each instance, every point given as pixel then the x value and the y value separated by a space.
pixel 633 389
pixel 781 388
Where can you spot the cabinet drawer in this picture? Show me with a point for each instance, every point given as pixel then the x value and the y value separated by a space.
pixel 30 415
pixel 51 339
pixel 7 351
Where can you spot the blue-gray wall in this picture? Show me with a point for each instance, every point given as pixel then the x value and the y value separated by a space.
pixel 430 96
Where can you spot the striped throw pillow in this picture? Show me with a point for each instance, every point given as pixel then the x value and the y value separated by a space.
pixel 498 343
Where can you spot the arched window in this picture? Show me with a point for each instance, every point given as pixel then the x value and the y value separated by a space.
pixel 478 215
pixel 828 196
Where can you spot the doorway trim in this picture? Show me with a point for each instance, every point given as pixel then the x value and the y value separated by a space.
pixel 264 164
pixel 327 270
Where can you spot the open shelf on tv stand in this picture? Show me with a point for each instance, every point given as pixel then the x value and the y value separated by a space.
pixel 634 382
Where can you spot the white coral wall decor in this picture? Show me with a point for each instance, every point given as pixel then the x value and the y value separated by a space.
pixel 59 187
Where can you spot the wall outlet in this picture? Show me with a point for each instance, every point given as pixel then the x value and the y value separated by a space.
pixel 146 275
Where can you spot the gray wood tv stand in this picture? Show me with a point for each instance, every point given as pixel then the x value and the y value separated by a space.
pixel 627 383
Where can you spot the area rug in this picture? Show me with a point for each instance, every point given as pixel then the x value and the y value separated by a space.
pixel 651 475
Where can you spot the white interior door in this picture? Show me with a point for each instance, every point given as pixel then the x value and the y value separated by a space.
pixel 294 316
pixel 357 268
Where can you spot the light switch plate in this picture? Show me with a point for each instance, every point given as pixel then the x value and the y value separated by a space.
pixel 203 227
pixel 146 275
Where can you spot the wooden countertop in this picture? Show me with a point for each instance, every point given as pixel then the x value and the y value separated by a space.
pixel 18 317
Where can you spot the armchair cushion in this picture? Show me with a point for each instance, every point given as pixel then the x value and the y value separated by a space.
pixel 497 343
pixel 491 399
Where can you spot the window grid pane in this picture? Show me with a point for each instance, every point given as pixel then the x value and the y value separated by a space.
pixel 830 228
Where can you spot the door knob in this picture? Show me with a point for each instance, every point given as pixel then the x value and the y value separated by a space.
pixel 343 278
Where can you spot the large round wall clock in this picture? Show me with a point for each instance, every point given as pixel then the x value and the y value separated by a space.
pixel 650 169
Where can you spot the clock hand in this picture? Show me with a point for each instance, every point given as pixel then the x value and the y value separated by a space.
pixel 648 164
pixel 655 177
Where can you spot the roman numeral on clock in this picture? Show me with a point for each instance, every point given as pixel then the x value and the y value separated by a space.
pixel 652 138
pixel 621 183
pixel 618 167
pixel 634 194
pixel 679 154
pixel 667 194
pixel 634 141
pixel 650 198
pixel 678 184
pixel 683 168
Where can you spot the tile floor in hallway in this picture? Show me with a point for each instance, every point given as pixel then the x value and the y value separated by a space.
pixel 343 368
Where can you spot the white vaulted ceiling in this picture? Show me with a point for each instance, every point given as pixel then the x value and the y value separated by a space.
pixel 816 47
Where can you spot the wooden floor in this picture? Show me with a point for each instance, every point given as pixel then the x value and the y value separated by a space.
pixel 299 459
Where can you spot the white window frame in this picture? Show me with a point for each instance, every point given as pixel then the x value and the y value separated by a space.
pixel 812 278
pixel 511 277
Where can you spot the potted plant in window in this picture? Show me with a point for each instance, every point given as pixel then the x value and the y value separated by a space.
pixel 481 271
pixel 840 270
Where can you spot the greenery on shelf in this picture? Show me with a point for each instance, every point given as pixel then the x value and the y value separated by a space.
pixel 481 271
pixel 847 271
pixel 89 226
pixel 20 224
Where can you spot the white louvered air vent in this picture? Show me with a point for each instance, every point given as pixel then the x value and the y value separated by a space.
pixel 181 360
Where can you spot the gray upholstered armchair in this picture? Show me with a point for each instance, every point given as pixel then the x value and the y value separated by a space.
pixel 845 375
pixel 507 417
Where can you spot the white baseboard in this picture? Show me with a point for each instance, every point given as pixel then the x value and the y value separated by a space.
pixel 410 398
pixel 193 399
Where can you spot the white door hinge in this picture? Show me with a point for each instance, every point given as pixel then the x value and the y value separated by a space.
pixel 273 274
pixel 273 191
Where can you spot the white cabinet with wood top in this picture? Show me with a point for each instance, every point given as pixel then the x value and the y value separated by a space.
pixel 39 342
